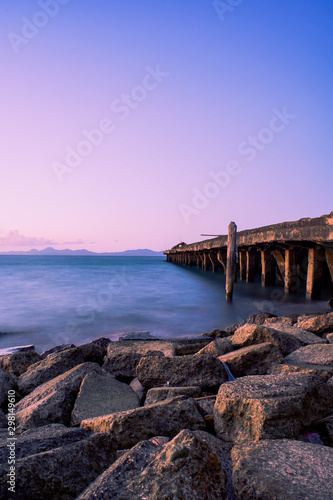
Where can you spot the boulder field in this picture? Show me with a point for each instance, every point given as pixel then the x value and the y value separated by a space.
pixel 241 414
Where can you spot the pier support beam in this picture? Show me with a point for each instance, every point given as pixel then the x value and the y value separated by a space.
pixel 231 261
pixel 329 260
pixel 315 273
pixel 279 259
pixel 267 268
pixel 291 279
pixel 242 265
pixel 250 266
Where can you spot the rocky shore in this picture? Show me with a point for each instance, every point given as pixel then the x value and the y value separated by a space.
pixel 245 413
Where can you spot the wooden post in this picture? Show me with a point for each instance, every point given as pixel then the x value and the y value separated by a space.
pixel 250 266
pixel 329 260
pixel 291 279
pixel 315 273
pixel 267 275
pixel 212 263
pixel 231 260
pixel 279 259
pixel 242 265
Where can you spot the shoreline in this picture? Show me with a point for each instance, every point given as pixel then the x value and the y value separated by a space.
pixel 138 414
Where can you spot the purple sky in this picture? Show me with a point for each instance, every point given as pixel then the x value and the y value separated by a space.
pixel 129 124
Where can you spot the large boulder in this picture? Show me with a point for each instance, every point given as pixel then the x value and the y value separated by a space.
pixel 317 324
pixel 123 357
pixel 101 394
pixel 60 473
pixel 313 354
pixel 186 468
pixel 203 371
pixel 53 401
pixel 96 350
pixel 57 348
pixel 217 348
pixel 160 419
pixel 276 470
pixel 49 368
pixel 42 439
pixel 252 360
pixel 287 338
pixel 113 483
pixel 157 394
pixel 17 362
pixel 270 406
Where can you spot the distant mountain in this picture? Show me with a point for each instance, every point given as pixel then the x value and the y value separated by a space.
pixel 52 251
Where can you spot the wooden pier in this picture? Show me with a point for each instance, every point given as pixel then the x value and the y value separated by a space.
pixel 298 253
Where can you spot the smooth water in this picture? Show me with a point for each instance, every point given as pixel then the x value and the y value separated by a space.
pixel 47 300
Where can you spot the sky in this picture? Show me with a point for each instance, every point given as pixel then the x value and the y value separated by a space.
pixel 129 124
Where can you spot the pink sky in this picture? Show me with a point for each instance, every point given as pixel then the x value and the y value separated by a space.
pixel 135 125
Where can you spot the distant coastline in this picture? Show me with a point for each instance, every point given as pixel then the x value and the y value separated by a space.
pixel 82 252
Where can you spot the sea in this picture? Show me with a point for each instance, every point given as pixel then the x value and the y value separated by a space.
pixel 52 300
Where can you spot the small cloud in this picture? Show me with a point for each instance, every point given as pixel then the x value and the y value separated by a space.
pixel 77 242
pixel 116 241
pixel 14 238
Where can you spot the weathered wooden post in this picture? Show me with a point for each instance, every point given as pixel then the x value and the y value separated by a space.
pixel 315 273
pixel 329 260
pixel 242 265
pixel 267 274
pixel 231 261
pixel 250 265
pixel 290 280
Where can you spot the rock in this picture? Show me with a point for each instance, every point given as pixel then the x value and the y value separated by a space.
pixel 216 334
pixel 270 406
pixel 304 336
pixel 252 360
pixel 285 320
pixel 316 324
pixel 185 347
pixel 160 419
pixel 222 450
pixel 255 319
pixel 57 348
pixel 158 394
pixel 17 348
pixel 324 372
pixel 96 350
pixel 60 473
pixel 206 405
pixel 123 357
pixel 113 483
pixel 101 394
pixel 186 468
pixel 53 401
pixel 329 337
pixel 330 303
pixel 3 421
pixel 276 470
pixel 287 341
pixel 139 390
pixel 123 364
pixel 203 371
pixel 49 368
pixel 42 439
pixel 217 348
pixel 7 382
pixel 313 354
pixel 18 362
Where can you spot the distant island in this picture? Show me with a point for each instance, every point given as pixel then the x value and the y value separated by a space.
pixel 52 251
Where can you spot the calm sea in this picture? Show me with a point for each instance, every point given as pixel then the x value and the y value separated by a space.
pixel 47 300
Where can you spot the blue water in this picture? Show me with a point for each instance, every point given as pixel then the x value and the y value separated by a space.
pixel 46 300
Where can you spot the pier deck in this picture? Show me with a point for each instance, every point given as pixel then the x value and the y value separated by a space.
pixel 293 252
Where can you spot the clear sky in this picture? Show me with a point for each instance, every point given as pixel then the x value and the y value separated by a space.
pixel 129 124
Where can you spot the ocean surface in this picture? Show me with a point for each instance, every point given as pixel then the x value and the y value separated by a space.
pixel 51 300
